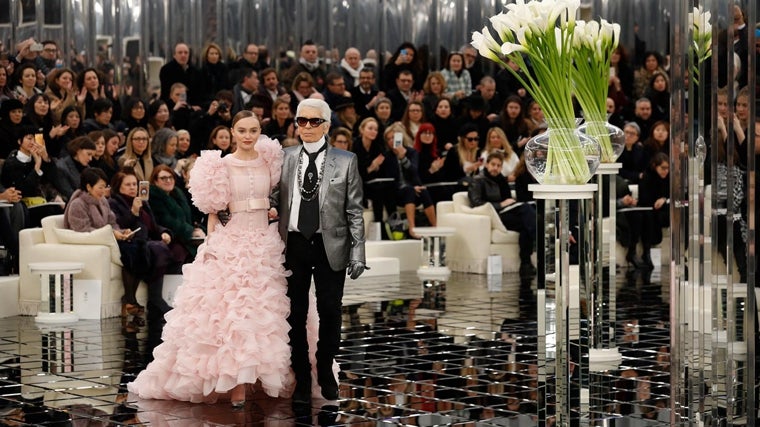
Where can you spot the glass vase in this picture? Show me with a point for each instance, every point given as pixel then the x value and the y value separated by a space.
pixel 610 137
pixel 562 155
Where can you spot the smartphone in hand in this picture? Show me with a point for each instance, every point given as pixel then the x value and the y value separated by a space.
pixel 398 139
pixel 130 233
pixel 143 190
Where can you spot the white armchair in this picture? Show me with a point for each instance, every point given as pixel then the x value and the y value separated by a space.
pixel 479 233
pixel 97 250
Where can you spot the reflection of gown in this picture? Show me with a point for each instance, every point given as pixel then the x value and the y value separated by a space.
pixel 229 322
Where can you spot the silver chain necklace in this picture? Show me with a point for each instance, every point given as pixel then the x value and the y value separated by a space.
pixel 309 195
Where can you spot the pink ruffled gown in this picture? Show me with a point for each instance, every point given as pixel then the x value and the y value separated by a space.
pixel 229 322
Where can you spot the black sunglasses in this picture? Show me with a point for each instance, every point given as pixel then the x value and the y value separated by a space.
pixel 473 139
pixel 313 121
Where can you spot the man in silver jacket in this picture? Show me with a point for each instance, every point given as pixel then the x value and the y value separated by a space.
pixel 320 206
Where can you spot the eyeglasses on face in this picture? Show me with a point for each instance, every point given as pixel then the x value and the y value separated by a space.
pixel 427 132
pixel 166 178
pixel 473 138
pixel 313 121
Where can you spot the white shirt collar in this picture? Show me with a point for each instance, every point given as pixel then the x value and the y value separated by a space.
pixel 313 147
pixel 23 158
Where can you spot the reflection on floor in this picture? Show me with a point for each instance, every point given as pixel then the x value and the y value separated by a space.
pixel 460 353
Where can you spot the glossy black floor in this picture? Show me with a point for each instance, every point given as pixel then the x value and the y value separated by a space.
pixel 462 353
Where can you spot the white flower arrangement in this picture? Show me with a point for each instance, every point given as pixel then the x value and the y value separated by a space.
pixel 542 33
pixel 594 43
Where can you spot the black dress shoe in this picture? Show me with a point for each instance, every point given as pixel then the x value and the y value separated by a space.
pixel 527 270
pixel 302 393
pixel 330 391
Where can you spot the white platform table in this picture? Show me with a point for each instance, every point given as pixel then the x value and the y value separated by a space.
pixel 57 290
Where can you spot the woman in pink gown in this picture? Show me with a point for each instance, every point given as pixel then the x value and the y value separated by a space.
pixel 229 324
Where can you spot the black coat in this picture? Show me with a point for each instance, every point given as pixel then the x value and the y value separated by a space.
pixel 23 177
pixel 191 77
pixel 484 189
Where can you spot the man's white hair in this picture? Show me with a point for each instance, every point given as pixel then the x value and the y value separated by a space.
pixel 317 104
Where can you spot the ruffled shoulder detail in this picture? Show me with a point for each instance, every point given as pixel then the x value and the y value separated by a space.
pixel 210 182
pixel 271 152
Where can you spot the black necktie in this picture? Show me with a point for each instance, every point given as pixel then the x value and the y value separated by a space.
pixel 308 213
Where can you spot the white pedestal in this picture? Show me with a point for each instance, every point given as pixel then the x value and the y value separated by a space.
pixel 56 290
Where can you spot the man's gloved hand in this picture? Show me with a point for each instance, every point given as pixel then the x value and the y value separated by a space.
pixel 355 269
pixel 224 217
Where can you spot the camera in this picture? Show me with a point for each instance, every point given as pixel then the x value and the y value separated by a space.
pixel 223 107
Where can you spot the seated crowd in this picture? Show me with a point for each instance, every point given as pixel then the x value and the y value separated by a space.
pixel 420 134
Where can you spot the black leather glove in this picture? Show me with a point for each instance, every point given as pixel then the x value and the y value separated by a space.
pixel 355 269
pixel 224 217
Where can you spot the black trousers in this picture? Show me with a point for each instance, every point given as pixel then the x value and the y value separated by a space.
pixel 307 258
pixel 523 220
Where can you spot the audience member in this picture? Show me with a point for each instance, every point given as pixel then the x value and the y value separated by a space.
pixel 180 70
pixel 31 171
pixel 183 145
pixel 658 93
pixel 60 91
pixel 514 124
pixel 445 124
pixel 158 117
pixel 654 192
pixel 214 73
pixel 458 82
pixel 172 210
pixel 245 90
pixel 221 139
pixel 413 117
pixel 433 90
pixel 462 160
pixel 164 145
pixel 401 163
pixel 137 154
pixel 658 140
pixel 473 64
pixel 384 112
pixel 81 150
pixel 11 117
pixel 91 88
pixel 620 87
pixel 487 89
pixel 653 61
pixel 135 114
pixel 341 138
pixel 496 141
pixel 351 66
pixel 643 116
pixel 281 124
pixel 146 256
pixel 302 88
pixel 106 145
pixel 71 120
pixel 365 93
pixel 371 155
pixel 102 111
pixel 633 159
pixel 308 62
pixel 405 58
pixel 402 94
pixel 26 82
pixel 490 186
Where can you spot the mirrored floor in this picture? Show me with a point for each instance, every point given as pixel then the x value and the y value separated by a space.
pixel 413 353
